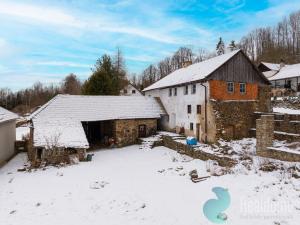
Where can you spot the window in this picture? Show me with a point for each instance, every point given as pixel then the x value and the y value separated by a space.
pixel 191 126
pixel 198 109
pixel 186 90
pixel 133 91
pixel 170 91
pixel 194 89
pixel 125 91
pixel 189 109
pixel 175 91
pixel 242 88
pixel 230 87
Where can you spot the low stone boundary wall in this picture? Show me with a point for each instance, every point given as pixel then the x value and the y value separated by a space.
pixel 280 155
pixel 170 142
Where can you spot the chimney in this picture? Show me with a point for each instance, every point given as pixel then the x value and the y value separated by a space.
pixel 282 63
pixel 186 63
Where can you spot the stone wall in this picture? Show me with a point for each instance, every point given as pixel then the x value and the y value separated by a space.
pixel 264 99
pixel 264 141
pixel 264 133
pixel 233 119
pixel 127 131
pixel 169 142
pixel 280 155
pixel 55 156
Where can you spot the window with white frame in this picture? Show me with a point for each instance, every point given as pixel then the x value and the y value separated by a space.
pixel 175 91
pixel 230 87
pixel 242 88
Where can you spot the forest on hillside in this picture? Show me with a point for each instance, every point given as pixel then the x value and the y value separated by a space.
pixel 270 44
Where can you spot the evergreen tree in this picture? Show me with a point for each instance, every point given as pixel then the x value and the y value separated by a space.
pixel 220 47
pixel 232 46
pixel 105 79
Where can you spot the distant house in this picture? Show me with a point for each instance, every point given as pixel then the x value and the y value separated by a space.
pixel 130 90
pixel 213 99
pixel 7 134
pixel 285 79
pixel 70 124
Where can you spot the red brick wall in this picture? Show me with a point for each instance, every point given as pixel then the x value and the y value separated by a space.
pixel 218 91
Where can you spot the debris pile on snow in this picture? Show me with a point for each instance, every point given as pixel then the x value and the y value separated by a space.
pixel 98 185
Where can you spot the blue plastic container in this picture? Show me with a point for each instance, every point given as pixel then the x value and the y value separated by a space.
pixel 191 141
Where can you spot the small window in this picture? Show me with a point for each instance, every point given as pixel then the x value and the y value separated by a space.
pixel 242 88
pixel 125 91
pixel 230 87
pixel 133 91
pixel 198 109
pixel 189 109
pixel 194 89
pixel 191 126
pixel 175 91
pixel 186 90
pixel 170 91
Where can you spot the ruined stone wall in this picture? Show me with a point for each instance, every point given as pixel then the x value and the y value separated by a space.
pixel 264 133
pixel 127 131
pixel 190 151
pixel 233 119
pixel 264 99
pixel 55 156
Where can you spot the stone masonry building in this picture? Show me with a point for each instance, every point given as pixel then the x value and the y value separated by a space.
pixel 70 124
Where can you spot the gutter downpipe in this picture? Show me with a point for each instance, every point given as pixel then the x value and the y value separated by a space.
pixel 205 128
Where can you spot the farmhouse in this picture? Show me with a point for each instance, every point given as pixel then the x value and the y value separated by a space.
pixel 213 99
pixel 70 124
pixel 285 79
pixel 130 90
pixel 7 134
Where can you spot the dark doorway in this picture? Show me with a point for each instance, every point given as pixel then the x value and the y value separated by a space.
pixel 142 131
pixel 98 133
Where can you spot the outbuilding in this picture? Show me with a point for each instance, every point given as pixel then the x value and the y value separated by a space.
pixel 7 134
pixel 70 124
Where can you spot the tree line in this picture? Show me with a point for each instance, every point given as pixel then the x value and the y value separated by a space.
pixel 273 44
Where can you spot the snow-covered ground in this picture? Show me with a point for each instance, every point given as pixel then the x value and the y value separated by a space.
pixel 286 110
pixel 136 185
pixel 22 132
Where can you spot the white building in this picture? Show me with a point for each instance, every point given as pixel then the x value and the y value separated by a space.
pixel 188 95
pixel 282 77
pixel 7 134
pixel 130 90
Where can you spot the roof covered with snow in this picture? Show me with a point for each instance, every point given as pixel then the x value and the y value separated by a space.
pixel 288 71
pixel 194 72
pixel 6 115
pixel 271 66
pixel 59 120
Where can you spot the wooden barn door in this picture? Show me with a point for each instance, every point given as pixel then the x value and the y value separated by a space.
pixel 142 131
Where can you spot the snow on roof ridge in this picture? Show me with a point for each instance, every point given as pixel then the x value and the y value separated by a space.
pixel 6 115
pixel 205 67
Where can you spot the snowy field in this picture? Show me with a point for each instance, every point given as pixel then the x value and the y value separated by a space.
pixel 139 186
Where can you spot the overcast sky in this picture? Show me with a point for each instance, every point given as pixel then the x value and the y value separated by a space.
pixel 44 40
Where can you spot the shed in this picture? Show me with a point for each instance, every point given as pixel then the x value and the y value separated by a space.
pixel 74 123
pixel 7 134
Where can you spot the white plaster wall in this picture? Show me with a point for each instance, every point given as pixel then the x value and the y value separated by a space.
pixel 7 140
pixel 129 89
pixel 176 106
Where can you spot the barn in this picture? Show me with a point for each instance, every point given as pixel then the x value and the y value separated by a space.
pixel 71 124
pixel 7 134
